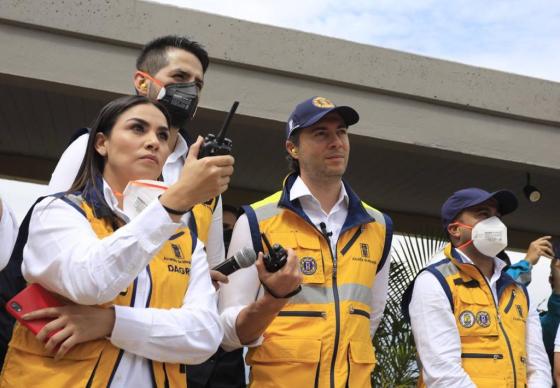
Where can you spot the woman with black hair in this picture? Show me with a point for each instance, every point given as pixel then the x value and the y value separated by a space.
pixel 140 300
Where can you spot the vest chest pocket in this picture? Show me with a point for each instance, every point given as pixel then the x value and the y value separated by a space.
pixel 310 258
pixel 308 250
pixel 475 313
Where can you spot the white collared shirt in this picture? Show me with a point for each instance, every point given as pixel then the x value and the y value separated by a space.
pixel 439 344
pixel 67 168
pixel 8 233
pixel 65 256
pixel 244 285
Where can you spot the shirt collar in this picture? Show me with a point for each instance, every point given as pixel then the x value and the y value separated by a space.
pixel 499 265
pixel 299 190
pixel 112 201
pixel 180 151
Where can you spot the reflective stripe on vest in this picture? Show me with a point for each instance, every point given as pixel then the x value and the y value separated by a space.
pixel 94 363
pixel 493 348
pixel 322 336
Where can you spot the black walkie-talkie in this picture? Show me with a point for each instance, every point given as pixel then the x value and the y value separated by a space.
pixel 276 257
pixel 218 145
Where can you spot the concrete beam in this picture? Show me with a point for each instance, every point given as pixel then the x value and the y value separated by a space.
pixel 132 23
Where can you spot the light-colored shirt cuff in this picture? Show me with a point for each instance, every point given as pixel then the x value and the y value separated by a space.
pixel 153 226
pixel 130 324
pixel 231 341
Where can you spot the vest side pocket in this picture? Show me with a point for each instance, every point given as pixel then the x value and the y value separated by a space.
pixel 361 362
pixel 285 363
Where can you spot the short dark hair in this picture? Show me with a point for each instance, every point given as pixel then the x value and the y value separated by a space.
pixel 293 164
pixel 153 56
pixel 91 169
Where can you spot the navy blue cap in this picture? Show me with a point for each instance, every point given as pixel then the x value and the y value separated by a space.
pixel 314 109
pixel 462 199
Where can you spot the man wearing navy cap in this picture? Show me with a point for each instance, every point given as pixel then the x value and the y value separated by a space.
pixel 321 335
pixel 472 323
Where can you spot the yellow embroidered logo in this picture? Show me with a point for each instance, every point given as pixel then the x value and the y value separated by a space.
pixel 322 102
pixel 467 319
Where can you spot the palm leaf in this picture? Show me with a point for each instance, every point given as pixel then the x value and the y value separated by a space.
pixel 395 350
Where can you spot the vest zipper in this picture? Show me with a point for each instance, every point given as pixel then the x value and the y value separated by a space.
pixel 363 313
pixel 336 301
pixel 510 303
pixel 348 366
pixel 501 328
pixel 92 376
pixel 352 241
pixel 310 314
pixel 121 352
pixel 482 355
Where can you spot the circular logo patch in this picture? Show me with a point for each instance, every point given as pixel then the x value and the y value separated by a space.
pixel 466 319
pixel 322 102
pixel 308 265
pixel 483 318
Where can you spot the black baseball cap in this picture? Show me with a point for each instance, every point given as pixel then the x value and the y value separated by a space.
pixel 314 109
pixel 465 198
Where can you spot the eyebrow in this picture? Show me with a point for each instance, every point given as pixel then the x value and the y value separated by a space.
pixel 322 127
pixel 186 73
pixel 144 122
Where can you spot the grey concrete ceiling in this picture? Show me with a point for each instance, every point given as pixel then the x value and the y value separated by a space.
pixel 409 182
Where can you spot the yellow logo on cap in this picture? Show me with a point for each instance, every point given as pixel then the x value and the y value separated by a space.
pixel 322 102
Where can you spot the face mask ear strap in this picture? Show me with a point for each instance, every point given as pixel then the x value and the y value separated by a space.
pixel 146 75
pixel 461 224
pixel 465 244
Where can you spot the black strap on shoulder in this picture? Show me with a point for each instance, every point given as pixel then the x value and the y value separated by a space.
pixel 254 228
pixel 12 282
pixel 78 133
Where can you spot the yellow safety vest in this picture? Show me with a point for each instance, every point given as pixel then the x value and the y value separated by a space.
pixel 493 349
pixel 322 336
pixel 93 363
pixel 201 219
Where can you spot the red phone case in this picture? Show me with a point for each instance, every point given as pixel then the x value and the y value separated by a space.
pixel 33 297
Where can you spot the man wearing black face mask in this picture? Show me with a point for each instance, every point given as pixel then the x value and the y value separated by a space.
pixel 171 69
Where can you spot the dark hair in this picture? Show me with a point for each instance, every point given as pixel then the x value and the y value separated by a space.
pixel 293 164
pixel 230 208
pixel 153 56
pixel 91 169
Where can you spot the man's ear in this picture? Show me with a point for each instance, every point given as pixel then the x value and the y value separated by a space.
pixel 291 148
pixel 453 230
pixel 100 144
pixel 140 84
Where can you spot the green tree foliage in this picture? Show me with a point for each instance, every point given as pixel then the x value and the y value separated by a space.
pixel 394 345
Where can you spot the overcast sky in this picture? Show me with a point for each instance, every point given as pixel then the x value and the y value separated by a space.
pixel 521 37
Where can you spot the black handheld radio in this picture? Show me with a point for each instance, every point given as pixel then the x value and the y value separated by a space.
pixel 276 257
pixel 218 145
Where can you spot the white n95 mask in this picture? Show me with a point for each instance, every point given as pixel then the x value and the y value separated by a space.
pixel 489 236
pixel 139 194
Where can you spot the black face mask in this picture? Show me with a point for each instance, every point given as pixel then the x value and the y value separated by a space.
pixel 181 101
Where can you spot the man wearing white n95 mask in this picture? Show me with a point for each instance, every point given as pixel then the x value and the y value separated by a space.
pixel 472 323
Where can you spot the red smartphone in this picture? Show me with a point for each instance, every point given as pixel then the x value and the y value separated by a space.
pixel 33 297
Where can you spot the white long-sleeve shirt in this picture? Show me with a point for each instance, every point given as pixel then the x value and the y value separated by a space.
pixel 65 256
pixel 67 168
pixel 8 233
pixel 439 344
pixel 244 286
